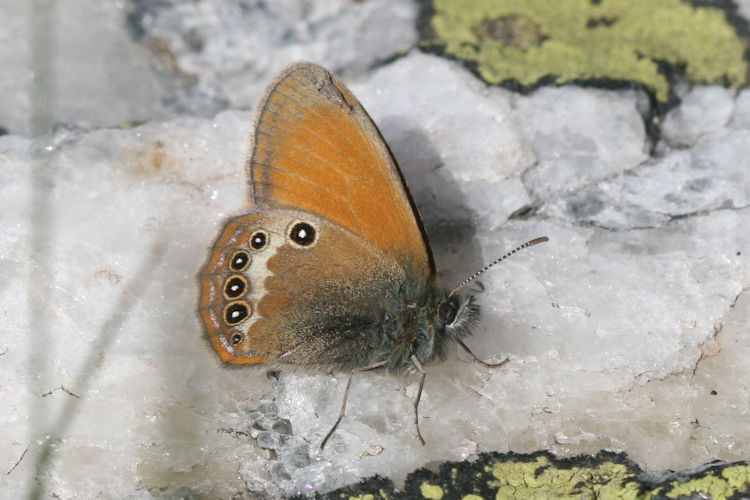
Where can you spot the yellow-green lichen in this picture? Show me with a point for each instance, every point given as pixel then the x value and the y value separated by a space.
pixel 566 40
pixel 737 476
pixel 542 476
pixel 527 479
pixel 431 491
pixel 729 483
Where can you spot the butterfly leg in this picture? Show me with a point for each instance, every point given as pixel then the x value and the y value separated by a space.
pixel 484 363
pixel 342 412
pixel 420 368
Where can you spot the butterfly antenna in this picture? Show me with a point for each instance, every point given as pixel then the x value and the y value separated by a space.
pixel 474 276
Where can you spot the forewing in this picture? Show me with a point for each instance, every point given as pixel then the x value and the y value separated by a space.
pixel 315 149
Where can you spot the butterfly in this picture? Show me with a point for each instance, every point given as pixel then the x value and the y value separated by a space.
pixel 330 267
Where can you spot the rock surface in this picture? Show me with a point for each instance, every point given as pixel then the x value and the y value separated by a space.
pixel 628 331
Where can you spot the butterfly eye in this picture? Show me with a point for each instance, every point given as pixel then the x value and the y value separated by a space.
pixel 258 240
pixel 236 312
pixel 240 260
pixel 303 234
pixel 235 337
pixel 235 286
pixel 446 312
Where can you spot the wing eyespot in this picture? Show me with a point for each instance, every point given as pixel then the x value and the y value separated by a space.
pixel 259 240
pixel 302 234
pixel 235 287
pixel 240 260
pixel 235 337
pixel 236 312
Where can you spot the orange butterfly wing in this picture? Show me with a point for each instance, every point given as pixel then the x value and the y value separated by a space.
pixel 317 157
pixel 316 149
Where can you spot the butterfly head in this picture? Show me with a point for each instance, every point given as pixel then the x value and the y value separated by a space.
pixel 424 326
pixel 454 316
